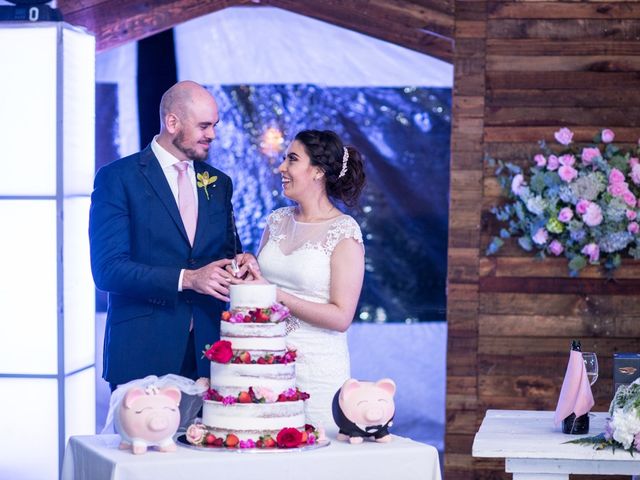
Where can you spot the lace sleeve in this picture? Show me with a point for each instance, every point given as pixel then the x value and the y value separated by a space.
pixel 275 223
pixel 345 227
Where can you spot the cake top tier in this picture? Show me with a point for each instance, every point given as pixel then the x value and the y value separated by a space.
pixel 252 296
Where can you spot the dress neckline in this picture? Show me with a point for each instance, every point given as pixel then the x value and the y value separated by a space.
pixel 293 217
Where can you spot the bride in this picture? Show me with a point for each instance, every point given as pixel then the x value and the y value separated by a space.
pixel 314 254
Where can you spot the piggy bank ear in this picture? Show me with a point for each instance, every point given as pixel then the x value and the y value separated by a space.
pixel 387 385
pixel 173 393
pixel 131 396
pixel 348 387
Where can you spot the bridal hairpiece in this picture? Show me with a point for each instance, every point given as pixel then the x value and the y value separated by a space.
pixel 345 159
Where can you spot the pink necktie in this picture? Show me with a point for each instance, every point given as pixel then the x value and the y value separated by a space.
pixel 186 201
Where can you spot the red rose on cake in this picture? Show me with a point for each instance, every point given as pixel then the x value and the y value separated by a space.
pixel 220 352
pixel 289 438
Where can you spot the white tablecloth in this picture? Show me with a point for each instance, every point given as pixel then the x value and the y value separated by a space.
pixel 98 458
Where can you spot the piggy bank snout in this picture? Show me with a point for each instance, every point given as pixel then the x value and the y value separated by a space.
pixel 158 422
pixel 374 413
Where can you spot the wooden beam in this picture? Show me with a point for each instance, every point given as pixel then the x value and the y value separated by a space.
pixel 115 22
pixel 425 26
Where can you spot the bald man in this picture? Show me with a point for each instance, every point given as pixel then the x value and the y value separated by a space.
pixel 161 245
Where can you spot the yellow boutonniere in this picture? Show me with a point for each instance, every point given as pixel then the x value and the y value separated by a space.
pixel 205 180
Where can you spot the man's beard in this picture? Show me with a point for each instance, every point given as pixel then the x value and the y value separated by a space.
pixel 190 153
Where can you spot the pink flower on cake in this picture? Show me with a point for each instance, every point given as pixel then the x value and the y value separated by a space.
pixel 564 136
pixel 196 433
pixel 289 438
pixel 228 400
pixel 247 443
pixel 565 215
pixel 237 317
pixel 220 352
pixel 592 251
pixel 593 215
pixel 278 313
pixel 556 247
pixel 267 394
pixel 589 154
pixel 607 135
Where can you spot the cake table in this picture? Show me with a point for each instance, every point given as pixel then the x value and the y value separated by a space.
pixel 97 457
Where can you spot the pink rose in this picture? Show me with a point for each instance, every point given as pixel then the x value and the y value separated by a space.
pixel 633 161
pixel 567 173
pixel 618 189
pixel 631 214
pixel 556 247
pixel 540 160
pixel 552 163
pixel 567 160
pixel 593 215
pixel 195 433
pixel 629 198
pixel 516 183
pixel 616 176
pixel 266 393
pixel 607 135
pixel 541 236
pixel 633 228
pixel 581 206
pixel 565 215
pixel 635 174
pixel 592 250
pixel 588 154
pixel 563 136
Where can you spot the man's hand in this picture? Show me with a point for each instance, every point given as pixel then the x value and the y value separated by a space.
pixel 212 279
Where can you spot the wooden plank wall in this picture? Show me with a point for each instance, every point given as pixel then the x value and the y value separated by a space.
pixel 522 70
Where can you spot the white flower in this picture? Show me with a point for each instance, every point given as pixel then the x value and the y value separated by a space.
pixel 626 424
pixel 536 205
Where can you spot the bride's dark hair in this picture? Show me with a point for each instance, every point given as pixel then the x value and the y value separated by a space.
pixel 326 150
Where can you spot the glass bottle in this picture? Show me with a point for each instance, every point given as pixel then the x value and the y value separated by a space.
pixel 573 425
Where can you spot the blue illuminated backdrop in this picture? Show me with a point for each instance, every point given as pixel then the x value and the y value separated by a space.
pixel 403 134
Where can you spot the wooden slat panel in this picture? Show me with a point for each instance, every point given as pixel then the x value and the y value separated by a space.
pixel 561 98
pixel 579 29
pixel 558 63
pixel 563 80
pixel 568 117
pixel 553 346
pixel 533 133
pixel 526 266
pixel 532 47
pixel 567 10
pixel 585 286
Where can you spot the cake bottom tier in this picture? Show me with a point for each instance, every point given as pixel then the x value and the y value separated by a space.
pixel 250 421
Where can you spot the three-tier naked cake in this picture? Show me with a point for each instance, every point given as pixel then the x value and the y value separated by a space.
pixel 253 401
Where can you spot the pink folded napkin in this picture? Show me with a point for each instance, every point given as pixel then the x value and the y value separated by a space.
pixel 575 396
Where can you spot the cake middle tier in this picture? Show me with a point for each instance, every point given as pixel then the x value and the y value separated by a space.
pixel 233 378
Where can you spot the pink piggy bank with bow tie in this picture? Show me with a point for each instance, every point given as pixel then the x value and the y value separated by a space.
pixel 364 409
pixel 148 417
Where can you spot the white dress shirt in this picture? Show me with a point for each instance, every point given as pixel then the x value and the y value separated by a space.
pixel 167 162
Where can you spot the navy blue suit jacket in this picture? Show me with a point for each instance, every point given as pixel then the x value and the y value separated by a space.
pixel 138 247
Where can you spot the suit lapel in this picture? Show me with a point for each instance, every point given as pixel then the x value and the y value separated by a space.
pixel 203 203
pixel 150 168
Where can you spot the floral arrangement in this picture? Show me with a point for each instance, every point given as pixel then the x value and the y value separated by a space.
pixel 260 395
pixel 198 434
pixel 578 202
pixel 275 314
pixel 622 429
pixel 221 352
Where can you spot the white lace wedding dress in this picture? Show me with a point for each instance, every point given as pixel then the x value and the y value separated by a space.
pixel 297 258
